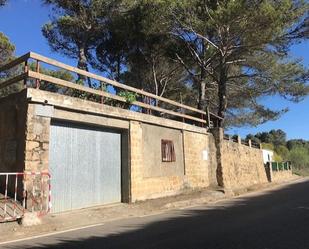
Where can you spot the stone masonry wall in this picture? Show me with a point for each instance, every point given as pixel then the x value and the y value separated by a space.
pixel 282 175
pixel 242 166
pixel 37 141
pixel 36 159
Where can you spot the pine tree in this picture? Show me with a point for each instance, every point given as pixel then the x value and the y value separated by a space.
pixel 240 52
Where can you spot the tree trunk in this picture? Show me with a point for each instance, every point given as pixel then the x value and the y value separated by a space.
pixel 222 94
pixel 202 103
pixel 82 64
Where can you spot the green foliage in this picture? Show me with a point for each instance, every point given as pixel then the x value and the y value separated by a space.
pixel 268 146
pixel 241 50
pixel 283 152
pixel 129 96
pixel 276 137
pixel 295 150
pixel 253 138
pixel 7 50
pixel 299 156
pixel 297 143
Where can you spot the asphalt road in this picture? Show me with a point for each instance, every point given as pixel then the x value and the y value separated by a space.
pixel 272 220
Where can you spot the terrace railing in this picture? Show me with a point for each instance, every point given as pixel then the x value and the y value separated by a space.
pixel 167 108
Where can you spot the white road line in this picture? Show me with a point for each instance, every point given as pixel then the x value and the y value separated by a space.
pixel 50 234
pixel 254 193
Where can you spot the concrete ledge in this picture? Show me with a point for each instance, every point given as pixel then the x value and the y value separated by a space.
pixel 84 106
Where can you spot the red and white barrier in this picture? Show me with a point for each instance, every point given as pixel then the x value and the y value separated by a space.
pixel 35 185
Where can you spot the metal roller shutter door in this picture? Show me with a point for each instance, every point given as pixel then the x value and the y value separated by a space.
pixel 85 166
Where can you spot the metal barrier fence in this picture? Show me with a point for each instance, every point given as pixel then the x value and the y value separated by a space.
pixel 280 166
pixel 23 191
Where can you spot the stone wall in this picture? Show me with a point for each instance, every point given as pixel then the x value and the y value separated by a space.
pixel 37 156
pixel 282 175
pixel 37 140
pixel 242 165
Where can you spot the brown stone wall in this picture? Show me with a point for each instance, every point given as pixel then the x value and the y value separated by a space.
pixel 282 175
pixel 242 166
pixel 37 141
pixel 37 157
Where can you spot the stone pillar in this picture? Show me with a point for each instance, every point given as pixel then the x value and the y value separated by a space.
pixel 136 156
pixel 36 158
pixel 238 139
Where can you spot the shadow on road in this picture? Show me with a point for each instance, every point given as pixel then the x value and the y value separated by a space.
pixel 276 220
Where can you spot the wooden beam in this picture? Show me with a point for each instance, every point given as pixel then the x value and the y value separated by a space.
pixel 15 62
pixel 13 80
pixel 71 85
pixel 111 82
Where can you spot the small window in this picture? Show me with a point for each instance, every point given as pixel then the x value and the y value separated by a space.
pixel 168 151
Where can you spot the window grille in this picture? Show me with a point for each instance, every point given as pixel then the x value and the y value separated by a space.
pixel 168 151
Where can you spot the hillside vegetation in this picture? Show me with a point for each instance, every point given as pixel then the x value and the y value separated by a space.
pixel 295 150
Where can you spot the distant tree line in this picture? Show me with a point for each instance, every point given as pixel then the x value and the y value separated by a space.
pixel 294 150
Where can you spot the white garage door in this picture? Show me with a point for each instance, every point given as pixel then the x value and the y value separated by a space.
pixel 85 166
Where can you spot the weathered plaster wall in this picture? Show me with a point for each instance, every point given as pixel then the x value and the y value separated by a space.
pixel 242 166
pixel 153 165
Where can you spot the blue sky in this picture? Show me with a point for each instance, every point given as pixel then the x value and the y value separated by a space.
pixel 21 21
